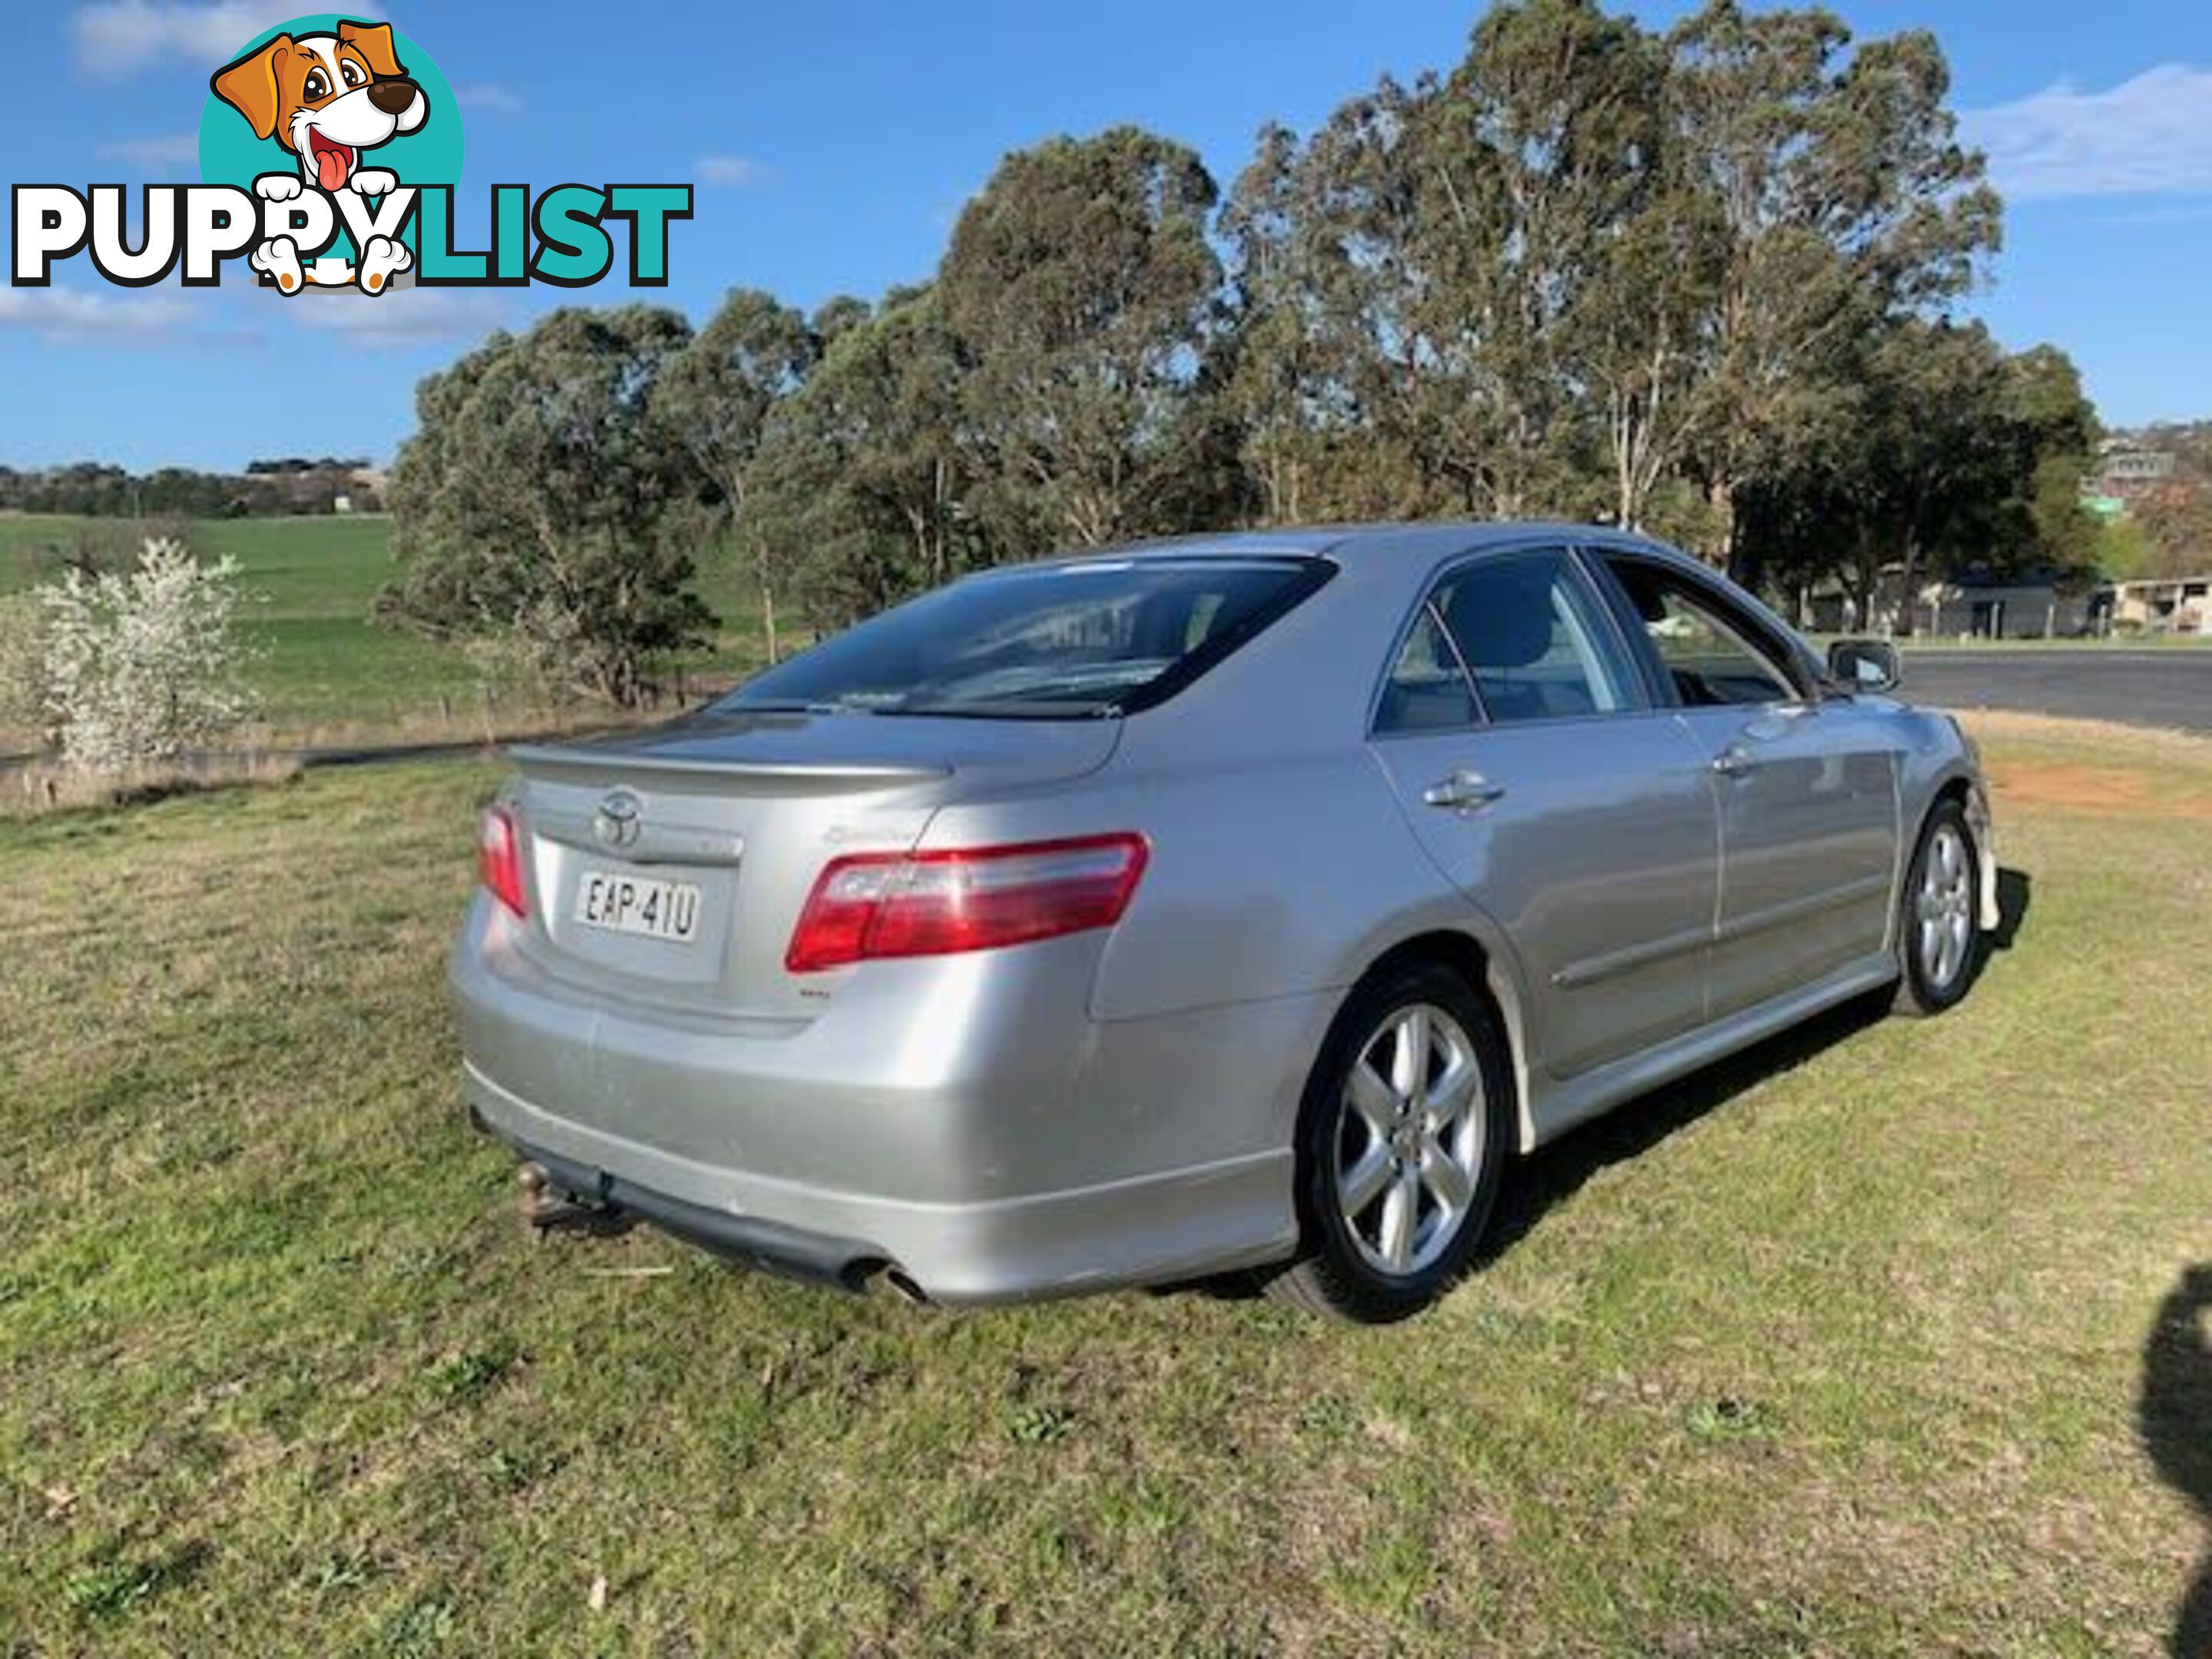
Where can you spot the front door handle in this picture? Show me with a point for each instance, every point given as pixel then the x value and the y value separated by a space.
pixel 1462 791
pixel 1734 763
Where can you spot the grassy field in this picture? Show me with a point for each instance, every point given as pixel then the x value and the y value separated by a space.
pixel 324 672
pixel 1879 1340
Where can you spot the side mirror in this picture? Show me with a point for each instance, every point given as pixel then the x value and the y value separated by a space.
pixel 1865 665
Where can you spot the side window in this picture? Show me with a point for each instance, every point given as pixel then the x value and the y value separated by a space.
pixel 1534 636
pixel 1710 659
pixel 1425 691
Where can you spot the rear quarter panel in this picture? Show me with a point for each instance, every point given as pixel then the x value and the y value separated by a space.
pixel 1281 865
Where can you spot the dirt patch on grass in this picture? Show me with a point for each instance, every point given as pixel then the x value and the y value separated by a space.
pixel 2091 768
pixel 2093 790
pixel 2135 744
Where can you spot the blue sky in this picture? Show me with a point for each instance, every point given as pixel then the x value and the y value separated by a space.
pixel 833 143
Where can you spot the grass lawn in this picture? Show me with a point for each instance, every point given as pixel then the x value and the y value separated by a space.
pixel 324 672
pixel 1845 1348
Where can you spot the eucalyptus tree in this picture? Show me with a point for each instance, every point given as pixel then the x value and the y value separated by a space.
pixel 1531 163
pixel 1083 288
pixel 715 397
pixel 1843 198
pixel 544 498
pixel 1938 454
pixel 864 473
pixel 1327 353
pixel 1453 281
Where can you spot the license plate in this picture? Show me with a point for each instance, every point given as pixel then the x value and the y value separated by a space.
pixel 623 903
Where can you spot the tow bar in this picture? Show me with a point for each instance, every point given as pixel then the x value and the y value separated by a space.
pixel 546 1208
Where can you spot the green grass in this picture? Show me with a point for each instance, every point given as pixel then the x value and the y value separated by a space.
pixel 323 669
pixel 1836 1351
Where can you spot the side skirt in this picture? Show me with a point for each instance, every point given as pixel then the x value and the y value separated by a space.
pixel 1561 1106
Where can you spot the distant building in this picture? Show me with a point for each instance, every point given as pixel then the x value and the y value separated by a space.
pixel 1975 602
pixel 2180 606
pixel 1992 607
pixel 2125 473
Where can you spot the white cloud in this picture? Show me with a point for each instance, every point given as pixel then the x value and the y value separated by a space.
pixel 732 172
pixel 2150 135
pixel 162 150
pixel 73 314
pixel 489 97
pixel 112 38
pixel 405 316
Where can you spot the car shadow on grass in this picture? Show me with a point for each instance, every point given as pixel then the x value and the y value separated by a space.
pixel 2016 892
pixel 2174 1417
pixel 1555 1173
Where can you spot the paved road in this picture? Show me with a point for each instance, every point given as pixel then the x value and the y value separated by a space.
pixel 2171 687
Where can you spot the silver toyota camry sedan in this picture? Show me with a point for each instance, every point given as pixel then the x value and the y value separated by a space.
pixel 1243 903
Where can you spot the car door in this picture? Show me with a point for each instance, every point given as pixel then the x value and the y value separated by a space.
pixel 1527 753
pixel 1806 785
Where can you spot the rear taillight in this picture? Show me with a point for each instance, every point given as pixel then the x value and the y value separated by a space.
pixel 923 904
pixel 499 859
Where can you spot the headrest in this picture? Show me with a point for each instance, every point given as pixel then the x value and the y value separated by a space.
pixel 1503 618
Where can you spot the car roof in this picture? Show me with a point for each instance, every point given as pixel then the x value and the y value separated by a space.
pixel 1417 541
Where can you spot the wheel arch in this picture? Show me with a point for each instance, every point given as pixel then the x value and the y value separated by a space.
pixel 1486 968
pixel 1970 794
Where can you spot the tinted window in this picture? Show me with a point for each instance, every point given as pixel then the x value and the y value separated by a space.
pixel 1530 631
pixel 1425 691
pixel 1045 641
pixel 1710 659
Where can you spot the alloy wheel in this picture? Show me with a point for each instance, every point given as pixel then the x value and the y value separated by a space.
pixel 1410 1139
pixel 1943 908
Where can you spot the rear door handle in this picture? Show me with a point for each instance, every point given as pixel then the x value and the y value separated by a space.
pixel 1462 791
pixel 1734 763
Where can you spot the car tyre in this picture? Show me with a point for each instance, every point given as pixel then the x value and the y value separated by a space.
pixel 1938 938
pixel 1402 1139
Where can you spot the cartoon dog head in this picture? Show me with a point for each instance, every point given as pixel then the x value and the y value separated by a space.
pixel 326 97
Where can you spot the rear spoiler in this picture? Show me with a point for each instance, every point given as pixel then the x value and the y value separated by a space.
pixel 828 776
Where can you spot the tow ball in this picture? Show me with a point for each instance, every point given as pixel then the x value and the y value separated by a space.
pixel 546 1208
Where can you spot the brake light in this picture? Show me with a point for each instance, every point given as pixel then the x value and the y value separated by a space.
pixel 499 859
pixel 922 904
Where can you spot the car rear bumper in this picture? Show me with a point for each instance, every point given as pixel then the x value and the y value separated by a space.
pixel 997 1145
pixel 815 1258
pixel 1180 1225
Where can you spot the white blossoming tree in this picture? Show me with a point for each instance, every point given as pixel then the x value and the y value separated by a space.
pixel 144 665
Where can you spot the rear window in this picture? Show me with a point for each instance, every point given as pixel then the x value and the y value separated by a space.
pixel 1103 636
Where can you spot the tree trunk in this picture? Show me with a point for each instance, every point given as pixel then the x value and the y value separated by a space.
pixel 1720 497
pixel 767 617
pixel 1911 583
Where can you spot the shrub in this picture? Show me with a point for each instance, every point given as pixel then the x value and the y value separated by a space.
pixel 141 666
pixel 23 669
